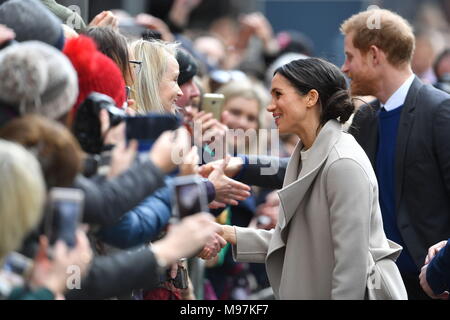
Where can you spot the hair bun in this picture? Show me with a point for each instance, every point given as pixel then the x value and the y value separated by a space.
pixel 339 107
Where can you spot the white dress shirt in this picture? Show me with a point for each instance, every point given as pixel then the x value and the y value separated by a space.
pixel 399 96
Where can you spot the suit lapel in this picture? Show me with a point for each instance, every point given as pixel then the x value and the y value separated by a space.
pixel 372 133
pixel 404 131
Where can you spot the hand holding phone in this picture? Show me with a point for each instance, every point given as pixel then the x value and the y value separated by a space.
pixel 213 103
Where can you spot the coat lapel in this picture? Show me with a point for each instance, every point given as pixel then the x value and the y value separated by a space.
pixel 295 189
pixel 404 131
pixel 297 186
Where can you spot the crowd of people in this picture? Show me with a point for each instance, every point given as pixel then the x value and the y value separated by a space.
pixel 357 208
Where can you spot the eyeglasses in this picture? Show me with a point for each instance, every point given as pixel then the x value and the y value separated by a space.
pixel 137 66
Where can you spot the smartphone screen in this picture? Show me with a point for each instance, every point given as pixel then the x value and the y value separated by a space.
pixel 65 215
pixel 190 197
pixel 147 129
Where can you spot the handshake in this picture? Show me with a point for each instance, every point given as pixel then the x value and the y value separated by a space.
pixel 196 235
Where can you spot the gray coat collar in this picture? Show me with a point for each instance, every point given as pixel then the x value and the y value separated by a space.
pixel 296 186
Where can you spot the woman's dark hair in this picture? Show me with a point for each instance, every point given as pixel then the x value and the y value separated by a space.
pixel 112 44
pixel 308 74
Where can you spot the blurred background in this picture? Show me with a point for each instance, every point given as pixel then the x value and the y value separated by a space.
pixel 317 19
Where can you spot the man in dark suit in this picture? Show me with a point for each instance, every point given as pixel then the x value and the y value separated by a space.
pixel 405 134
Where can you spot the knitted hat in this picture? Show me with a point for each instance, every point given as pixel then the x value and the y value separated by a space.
pixel 188 66
pixel 96 72
pixel 31 20
pixel 37 78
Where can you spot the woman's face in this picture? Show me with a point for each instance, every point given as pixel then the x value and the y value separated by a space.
pixel 288 107
pixel 242 113
pixel 169 90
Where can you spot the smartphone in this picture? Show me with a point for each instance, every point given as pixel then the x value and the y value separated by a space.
pixel 66 208
pixel 189 197
pixel 147 129
pixel 213 103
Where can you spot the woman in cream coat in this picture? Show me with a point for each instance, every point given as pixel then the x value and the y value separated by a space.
pixel 330 223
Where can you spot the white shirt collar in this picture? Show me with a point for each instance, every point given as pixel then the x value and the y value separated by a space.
pixel 399 96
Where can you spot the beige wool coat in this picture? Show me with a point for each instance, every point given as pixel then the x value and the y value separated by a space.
pixel 329 219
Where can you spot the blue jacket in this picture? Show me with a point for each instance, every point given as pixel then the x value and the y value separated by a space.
pixel 438 272
pixel 144 223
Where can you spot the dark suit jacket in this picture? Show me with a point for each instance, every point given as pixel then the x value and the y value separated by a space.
pixel 422 163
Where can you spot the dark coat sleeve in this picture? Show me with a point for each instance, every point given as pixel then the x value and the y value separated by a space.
pixel 118 275
pixel 106 203
pixel 438 272
pixel 263 171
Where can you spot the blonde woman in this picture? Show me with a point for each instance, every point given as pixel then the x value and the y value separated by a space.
pixel 156 86
pixel 242 110
pixel 22 195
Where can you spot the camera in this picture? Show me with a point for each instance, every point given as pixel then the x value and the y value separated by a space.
pixel 147 129
pixel 87 127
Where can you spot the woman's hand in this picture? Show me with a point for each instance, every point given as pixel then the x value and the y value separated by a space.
pixel 210 127
pixel 226 234
pixel 187 238
pixel 190 163
pixel 53 274
pixel 105 19
pixel 231 169
pixel 228 191
pixel 6 34
pixel 169 150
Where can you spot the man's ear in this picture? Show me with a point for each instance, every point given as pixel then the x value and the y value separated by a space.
pixel 375 55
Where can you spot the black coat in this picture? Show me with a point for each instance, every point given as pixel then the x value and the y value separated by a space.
pixel 422 165
pixel 106 203
pixel 118 275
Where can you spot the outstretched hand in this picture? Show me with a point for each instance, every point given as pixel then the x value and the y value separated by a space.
pixel 228 191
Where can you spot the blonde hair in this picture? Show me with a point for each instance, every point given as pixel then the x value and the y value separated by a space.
pixel 22 195
pixel 247 90
pixel 154 56
pixel 384 29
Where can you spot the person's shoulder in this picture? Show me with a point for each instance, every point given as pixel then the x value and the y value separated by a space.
pixel 431 97
pixel 347 153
